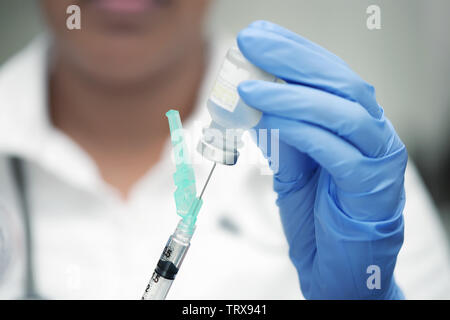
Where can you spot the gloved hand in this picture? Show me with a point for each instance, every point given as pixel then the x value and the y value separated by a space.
pixel 341 166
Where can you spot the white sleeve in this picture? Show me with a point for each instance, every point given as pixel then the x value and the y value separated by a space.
pixel 423 265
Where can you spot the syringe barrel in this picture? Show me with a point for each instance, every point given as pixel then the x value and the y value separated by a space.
pixel 167 267
pixel 157 288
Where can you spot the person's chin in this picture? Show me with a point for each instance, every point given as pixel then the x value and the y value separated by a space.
pixel 121 72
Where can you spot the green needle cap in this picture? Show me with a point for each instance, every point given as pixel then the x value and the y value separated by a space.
pixel 184 176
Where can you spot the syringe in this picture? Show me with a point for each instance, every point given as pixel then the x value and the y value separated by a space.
pixel 173 254
pixel 176 248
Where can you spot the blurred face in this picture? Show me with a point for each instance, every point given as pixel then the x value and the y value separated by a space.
pixel 126 41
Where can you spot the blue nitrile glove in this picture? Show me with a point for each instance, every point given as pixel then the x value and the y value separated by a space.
pixel 341 166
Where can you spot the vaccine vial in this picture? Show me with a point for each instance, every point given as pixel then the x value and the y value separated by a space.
pixel 229 114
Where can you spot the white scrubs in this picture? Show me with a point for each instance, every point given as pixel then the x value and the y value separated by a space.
pixel 89 244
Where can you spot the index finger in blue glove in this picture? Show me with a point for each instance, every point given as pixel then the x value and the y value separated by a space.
pixel 373 137
pixel 277 29
pixel 294 62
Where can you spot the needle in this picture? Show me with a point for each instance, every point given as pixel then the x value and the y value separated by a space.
pixel 207 180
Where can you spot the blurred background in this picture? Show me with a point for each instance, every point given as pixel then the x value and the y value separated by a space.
pixel 408 60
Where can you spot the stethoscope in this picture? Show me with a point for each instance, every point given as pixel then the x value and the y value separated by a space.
pixel 19 177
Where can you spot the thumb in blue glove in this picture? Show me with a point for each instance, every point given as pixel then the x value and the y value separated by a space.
pixel 341 166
